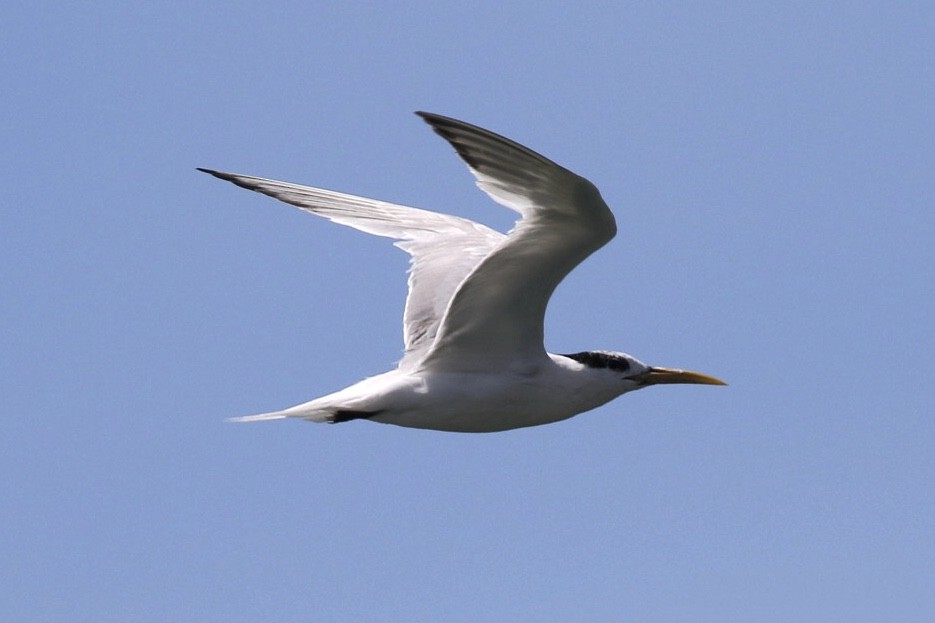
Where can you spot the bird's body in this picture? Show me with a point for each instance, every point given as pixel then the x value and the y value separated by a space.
pixel 473 323
pixel 528 395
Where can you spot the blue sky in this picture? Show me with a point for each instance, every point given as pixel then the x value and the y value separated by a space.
pixel 771 169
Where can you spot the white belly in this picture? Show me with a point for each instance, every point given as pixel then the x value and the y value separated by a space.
pixel 485 403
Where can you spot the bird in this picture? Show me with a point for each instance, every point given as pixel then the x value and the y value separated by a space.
pixel 473 323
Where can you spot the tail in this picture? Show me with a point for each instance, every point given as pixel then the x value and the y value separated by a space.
pixel 330 415
pixel 299 411
pixel 262 417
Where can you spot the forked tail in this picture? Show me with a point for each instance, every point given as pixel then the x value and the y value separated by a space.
pixel 262 417
pixel 330 416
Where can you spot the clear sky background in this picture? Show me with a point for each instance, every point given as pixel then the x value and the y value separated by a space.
pixel 771 168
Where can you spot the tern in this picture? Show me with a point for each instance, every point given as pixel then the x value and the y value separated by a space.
pixel 474 357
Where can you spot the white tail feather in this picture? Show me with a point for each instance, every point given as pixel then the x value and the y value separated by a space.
pixel 298 411
pixel 262 417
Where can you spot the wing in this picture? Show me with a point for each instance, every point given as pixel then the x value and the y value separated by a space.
pixel 495 318
pixel 444 249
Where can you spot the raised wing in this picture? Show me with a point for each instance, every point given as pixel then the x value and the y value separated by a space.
pixel 495 319
pixel 444 248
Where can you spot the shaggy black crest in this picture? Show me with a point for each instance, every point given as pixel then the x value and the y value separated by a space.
pixel 597 359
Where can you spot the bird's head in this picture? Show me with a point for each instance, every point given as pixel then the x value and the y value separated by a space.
pixel 637 373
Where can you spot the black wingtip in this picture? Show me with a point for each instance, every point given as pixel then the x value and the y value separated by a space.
pixel 452 130
pixel 436 119
pixel 440 123
pixel 436 122
pixel 227 177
